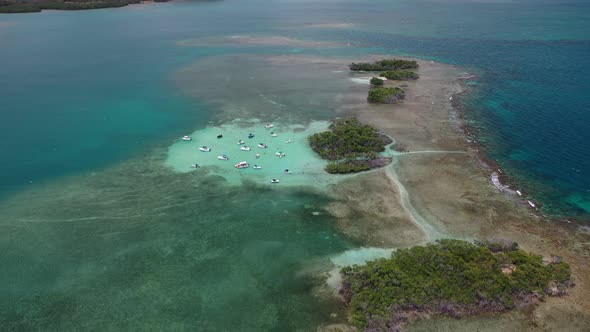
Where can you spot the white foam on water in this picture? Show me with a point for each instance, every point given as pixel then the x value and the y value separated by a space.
pixel 365 80
pixel 361 80
pixel 495 177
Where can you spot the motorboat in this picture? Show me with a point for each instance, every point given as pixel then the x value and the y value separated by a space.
pixel 280 154
pixel 240 142
pixel 195 166
pixel 287 171
pixel 186 138
pixel 257 155
pixel 273 134
pixel 288 141
pixel 219 136
pixel 262 145
pixel 274 181
pixel 205 149
pixel 250 135
pixel 223 157
pixel 245 148
pixel 242 164
pixel 257 167
pixel 268 125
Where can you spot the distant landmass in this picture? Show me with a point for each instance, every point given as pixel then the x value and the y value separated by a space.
pixel 33 6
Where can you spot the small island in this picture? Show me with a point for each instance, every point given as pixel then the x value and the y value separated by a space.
pixel 376 81
pixel 449 277
pixel 399 75
pixel 392 69
pixel 384 65
pixel 385 95
pixel 350 146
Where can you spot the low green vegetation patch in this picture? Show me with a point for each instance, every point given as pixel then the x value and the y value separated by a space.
pixel 24 6
pixel 385 95
pixel 375 81
pixel 449 277
pixel 347 138
pixel 351 146
pixel 348 166
pixel 383 65
pixel 399 75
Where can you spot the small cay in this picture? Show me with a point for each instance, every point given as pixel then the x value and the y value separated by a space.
pixel 351 147
pixel 449 277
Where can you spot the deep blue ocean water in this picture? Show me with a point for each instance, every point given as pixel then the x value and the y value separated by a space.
pixel 87 92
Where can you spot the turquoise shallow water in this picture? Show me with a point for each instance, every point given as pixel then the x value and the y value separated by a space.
pixel 286 157
pixel 99 232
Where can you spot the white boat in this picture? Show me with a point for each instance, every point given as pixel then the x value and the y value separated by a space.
pixel 280 154
pixel 273 134
pixel 205 149
pixel 288 141
pixel 262 145
pixel 223 157
pixel 274 181
pixel 240 142
pixel 287 171
pixel 242 164
pixel 195 166
pixel 268 125
pixel 186 138
pixel 245 148
pixel 257 155
pixel 257 167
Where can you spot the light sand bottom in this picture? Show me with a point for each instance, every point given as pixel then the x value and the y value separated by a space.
pixel 304 166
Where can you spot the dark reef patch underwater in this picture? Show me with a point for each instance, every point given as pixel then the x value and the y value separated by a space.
pixel 140 246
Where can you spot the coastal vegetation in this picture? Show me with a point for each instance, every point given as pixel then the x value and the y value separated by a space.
pixel 450 277
pixel 26 6
pixel 351 146
pixel 375 81
pixel 385 95
pixel 383 65
pixel 349 166
pixel 392 69
pixel 399 75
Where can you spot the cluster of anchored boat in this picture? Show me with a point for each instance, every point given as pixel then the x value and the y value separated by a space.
pixel 243 147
